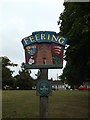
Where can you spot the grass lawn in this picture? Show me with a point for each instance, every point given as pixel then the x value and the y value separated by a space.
pixel 62 104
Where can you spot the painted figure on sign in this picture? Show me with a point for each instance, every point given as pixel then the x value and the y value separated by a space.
pixel 31 60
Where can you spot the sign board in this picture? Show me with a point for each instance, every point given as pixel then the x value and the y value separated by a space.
pixel 44 88
pixel 44 49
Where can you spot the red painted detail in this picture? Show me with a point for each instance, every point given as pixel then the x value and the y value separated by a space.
pixel 26 57
pixel 57 49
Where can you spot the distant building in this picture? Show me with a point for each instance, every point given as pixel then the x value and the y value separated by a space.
pixel 57 84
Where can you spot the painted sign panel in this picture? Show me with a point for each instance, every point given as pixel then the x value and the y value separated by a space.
pixel 44 49
pixel 44 36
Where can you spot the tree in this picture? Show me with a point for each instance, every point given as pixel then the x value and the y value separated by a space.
pixel 7 78
pixel 75 26
pixel 24 81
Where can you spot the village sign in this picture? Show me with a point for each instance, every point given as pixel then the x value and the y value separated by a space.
pixel 44 49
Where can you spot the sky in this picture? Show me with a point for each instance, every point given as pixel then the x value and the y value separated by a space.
pixel 18 19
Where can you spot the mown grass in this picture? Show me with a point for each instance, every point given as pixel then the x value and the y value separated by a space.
pixel 62 104
pixel 69 104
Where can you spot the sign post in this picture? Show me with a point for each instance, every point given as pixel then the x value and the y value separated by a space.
pixel 43 90
pixel 44 50
pixel 43 99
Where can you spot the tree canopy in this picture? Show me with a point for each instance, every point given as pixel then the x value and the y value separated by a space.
pixel 75 26
pixel 23 80
pixel 7 78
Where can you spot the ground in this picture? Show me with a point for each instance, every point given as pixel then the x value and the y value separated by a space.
pixel 62 104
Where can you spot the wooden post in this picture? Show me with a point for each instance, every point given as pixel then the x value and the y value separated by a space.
pixel 43 99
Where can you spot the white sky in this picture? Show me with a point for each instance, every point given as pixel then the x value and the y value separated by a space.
pixel 19 18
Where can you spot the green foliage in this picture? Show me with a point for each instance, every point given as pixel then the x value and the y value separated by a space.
pixel 75 26
pixel 7 78
pixel 24 81
pixel 6 62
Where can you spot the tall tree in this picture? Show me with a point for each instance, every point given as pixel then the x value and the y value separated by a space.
pixel 7 78
pixel 75 26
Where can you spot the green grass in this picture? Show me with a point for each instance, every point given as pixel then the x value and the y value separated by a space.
pixel 62 104
pixel 69 104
